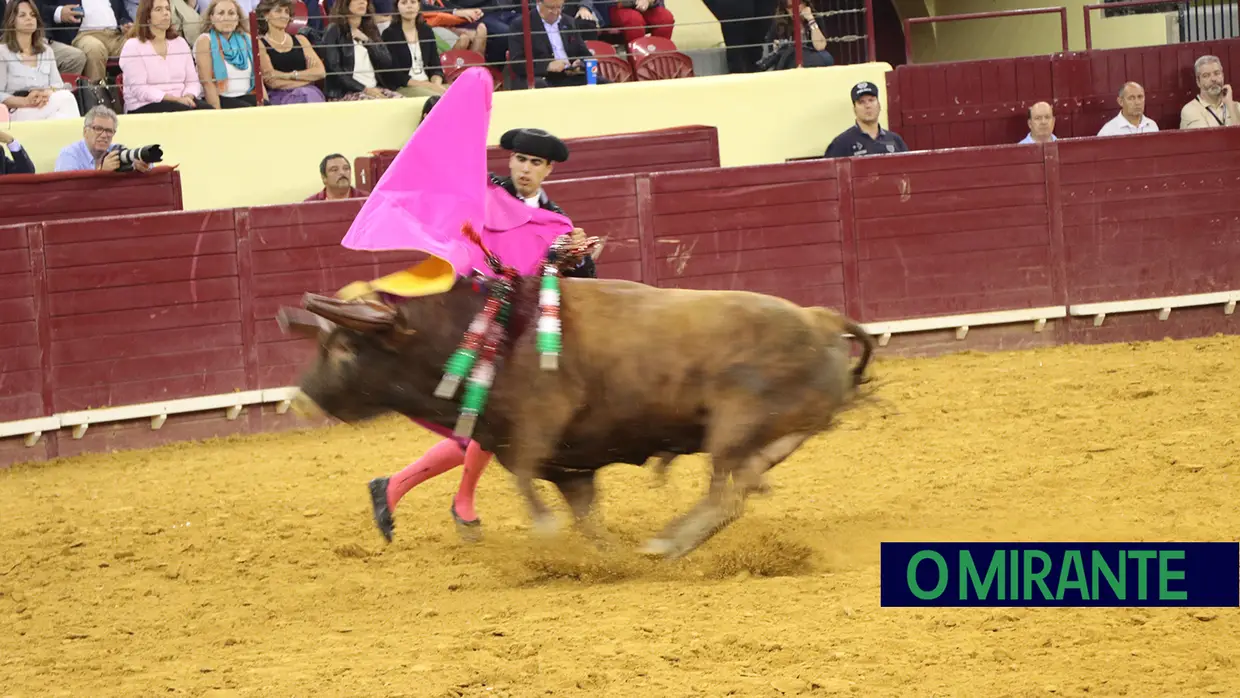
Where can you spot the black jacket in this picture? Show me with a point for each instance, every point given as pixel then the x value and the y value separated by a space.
pixel 20 164
pixel 66 32
pixel 398 48
pixel 540 45
pixel 337 54
pixel 586 269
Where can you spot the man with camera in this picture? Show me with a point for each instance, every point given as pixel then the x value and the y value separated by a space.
pixel 97 152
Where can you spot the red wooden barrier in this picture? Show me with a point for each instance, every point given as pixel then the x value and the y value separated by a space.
pixel 20 369
pixel 933 242
pixel 679 148
pixel 118 311
pixel 975 103
pixel 63 195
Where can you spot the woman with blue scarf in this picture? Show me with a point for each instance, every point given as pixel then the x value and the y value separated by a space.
pixel 225 56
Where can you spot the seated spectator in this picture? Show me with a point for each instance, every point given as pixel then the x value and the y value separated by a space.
pixel 337 180
pixel 587 19
pixel 30 85
pixel 158 66
pixel 1041 124
pixel 100 32
pixel 637 18
pixel 289 64
pixel 21 162
pixel 1131 117
pixel 68 58
pixel 352 51
pixel 783 51
pixel 497 17
pixel 223 54
pixel 185 18
pixel 558 50
pixel 866 137
pixel 428 105
pixel 95 151
pixel 459 27
pixel 415 58
pixel 1215 105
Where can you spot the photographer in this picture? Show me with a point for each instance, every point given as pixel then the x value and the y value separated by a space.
pixel 97 152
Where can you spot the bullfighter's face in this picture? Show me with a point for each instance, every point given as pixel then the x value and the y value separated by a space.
pixel 528 173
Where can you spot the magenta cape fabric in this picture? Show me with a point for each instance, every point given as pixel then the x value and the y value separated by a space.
pixel 439 181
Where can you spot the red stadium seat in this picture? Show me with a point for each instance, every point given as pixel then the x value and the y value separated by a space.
pixel 601 48
pixel 648 45
pixel 72 79
pixel 300 18
pixel 615 69
pixel 663 66
pixel 455 62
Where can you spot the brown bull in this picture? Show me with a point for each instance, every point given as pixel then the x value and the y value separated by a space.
pixel 644 372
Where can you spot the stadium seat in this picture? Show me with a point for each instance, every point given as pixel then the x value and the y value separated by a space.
pixel 615 69
pixel 71 79
pixel 648 45
pixel 601 48
pixel 663 66
pixel 300 18
pixel 455 62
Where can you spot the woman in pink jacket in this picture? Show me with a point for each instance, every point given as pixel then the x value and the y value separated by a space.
pixel 158 65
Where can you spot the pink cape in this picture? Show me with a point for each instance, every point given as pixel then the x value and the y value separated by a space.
pixel 439 181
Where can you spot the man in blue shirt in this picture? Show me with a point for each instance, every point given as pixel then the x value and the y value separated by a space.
pixel 1041 124
pixel 95 151
pixel 866 137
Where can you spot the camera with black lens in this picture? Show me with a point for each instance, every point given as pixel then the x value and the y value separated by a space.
pixel 150 154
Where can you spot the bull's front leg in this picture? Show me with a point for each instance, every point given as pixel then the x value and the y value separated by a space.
pixel 580 491
pixel 543 519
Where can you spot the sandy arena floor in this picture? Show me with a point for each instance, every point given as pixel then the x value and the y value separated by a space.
pixel 250 567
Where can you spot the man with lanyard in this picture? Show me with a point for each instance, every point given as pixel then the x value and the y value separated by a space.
pixel 1214 106
pixel 533 153
pixel 866 137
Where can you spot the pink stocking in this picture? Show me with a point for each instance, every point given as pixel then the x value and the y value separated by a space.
pixel 439 459
pixel 476 461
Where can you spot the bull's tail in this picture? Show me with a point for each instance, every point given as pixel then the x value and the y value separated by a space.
pixel 867 349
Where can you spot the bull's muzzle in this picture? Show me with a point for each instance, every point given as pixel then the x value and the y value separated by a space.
pixel 304 407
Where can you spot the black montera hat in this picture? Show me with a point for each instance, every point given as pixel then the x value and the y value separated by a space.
pixel 863 88
pixel 536 142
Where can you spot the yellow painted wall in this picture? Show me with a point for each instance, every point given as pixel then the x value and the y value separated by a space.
pixel 1024 36
pixel 270 155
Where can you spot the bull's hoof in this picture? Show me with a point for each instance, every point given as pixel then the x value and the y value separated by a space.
pixel 378 501
pixel 658 547
pixel 469 531
pixel 546 526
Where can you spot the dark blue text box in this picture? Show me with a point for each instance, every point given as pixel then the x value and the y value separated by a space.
pixel 1061 574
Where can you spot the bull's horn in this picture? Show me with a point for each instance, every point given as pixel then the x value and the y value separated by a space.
pixel 363 316
pixel 302 322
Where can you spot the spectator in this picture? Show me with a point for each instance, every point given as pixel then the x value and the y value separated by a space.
pixel 415 58
pixel 30 85
pixel 744 24
pixel 350 71
pixel 337 180
pixel 1215 105
pixel 185 19
pixel 21 162
pixel 866 137
pixel 783 51
pixel 636 18
pixel 95 151
pixel 223 54
pixel 558 50
pixel 1131 117
pixel 497 17
pixel 587 17
pixel 157 64
pixel 1041 124
pixel 459 27
pixel 289 64
pixel 428 105
pixel 100 32
pixel 68 58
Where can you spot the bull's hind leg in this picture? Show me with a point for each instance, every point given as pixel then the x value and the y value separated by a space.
pixel 579 490
pixel 709 512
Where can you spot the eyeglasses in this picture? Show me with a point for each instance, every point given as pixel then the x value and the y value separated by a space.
pixel 103 131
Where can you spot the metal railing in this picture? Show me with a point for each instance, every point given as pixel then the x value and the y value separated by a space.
pixel 908 23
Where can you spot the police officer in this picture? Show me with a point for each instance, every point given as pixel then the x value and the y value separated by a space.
pixel 534 154
pixel 866 137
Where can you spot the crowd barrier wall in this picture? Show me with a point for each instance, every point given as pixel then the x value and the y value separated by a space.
pixel 270 155
pixel 977 103
pixel 63 195
pixel 110 322
pixel 661 150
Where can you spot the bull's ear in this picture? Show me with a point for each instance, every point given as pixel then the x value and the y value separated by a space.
pixel 302 322
pixel 362 316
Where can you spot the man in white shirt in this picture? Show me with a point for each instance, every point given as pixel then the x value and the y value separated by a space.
pixel 1041 124
pixel 100 31
pixel 1131 117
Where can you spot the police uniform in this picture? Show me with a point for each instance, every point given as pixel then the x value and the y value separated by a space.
pixel 854 141
pixel 540 144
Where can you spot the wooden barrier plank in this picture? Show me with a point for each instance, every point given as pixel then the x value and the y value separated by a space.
pixel 122 392
pixel 21 382
pixel 74 195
